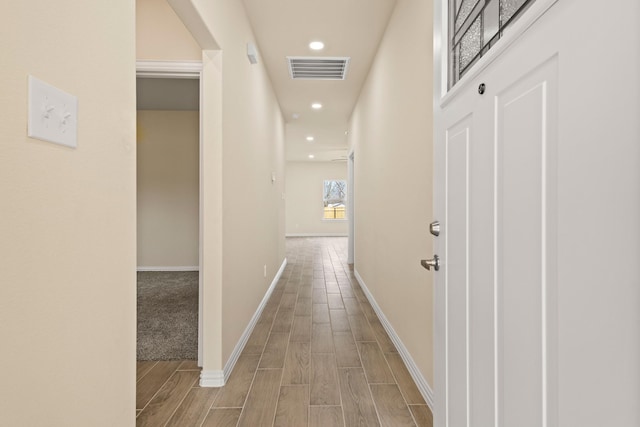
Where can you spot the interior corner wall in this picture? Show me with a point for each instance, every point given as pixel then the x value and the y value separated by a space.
pixel 304 213
pixel 161 35
pixel 391 134
pixel 252 130
pixel 168 189
pixel 67 251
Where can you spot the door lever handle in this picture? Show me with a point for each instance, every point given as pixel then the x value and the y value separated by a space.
pixel 431 263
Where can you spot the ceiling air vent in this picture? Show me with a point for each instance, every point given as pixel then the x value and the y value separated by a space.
pixel 317 68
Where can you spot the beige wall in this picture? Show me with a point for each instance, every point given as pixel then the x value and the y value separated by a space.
pixel 253 148
pixel 253 213
pixel 167 188
pixel 161 35
pixel 305 182
pixel 391 132
pixel 67 228
pixel 247 131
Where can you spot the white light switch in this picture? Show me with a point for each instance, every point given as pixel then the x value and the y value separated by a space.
pixel 53 114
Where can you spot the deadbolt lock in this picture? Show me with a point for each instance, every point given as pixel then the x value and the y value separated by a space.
pixel 434 228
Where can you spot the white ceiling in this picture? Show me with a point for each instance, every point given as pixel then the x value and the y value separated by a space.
pixel 350 28
pixel 167 94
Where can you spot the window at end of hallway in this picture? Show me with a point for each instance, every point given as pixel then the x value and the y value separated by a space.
pixel 335 199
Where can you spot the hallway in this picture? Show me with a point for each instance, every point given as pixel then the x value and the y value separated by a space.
pixel 318 356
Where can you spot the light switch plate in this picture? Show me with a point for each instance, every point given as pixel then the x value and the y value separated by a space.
pixel 53 114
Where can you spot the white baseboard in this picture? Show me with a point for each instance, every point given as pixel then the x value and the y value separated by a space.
pixel 417 376
pixel 316 235
pixel 212 379
pixel 170 268
pixel 228 367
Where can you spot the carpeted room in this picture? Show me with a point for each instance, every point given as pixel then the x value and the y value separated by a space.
pixel 167 210
pixel 167 315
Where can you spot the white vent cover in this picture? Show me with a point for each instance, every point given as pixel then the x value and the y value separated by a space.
pixel 318 68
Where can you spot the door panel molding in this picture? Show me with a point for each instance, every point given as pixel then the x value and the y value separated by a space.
pixel 525 182
pixel 457 141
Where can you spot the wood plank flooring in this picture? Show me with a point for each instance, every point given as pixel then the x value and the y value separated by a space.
pixel 318 356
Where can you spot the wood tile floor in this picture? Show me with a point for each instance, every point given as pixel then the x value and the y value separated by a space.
pixel 318 357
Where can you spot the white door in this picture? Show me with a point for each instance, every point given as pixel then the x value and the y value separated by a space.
pixel 537 189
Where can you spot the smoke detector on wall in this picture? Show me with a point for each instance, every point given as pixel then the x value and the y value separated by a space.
pixel 252 53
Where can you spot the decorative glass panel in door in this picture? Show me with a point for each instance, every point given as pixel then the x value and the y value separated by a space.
pixel 474 27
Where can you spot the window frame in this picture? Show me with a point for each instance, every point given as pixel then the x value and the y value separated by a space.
pixel 344 200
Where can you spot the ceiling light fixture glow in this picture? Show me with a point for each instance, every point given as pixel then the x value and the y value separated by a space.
pixel 316 106
pixel 309 138
pixel 316 45
pixel 311 156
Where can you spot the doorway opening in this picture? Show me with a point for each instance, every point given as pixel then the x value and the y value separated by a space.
pixel 168 210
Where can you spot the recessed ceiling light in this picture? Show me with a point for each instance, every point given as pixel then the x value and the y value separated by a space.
pixel 311 156
pixel 316 106
pixel 309 138
pixel 317 45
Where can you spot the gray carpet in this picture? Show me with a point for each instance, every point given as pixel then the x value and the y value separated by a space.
pixel 167 315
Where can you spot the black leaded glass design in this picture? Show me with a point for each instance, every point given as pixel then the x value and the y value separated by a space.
pixel 474 27
pixel 464 10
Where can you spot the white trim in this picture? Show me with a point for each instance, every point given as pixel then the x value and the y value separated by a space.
pixel 169 69
pixel 201 166
pixel 316 235
pixel 169 268
pixel 417 376
pixel 228 367
pixel 212 379
pixel 186 70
